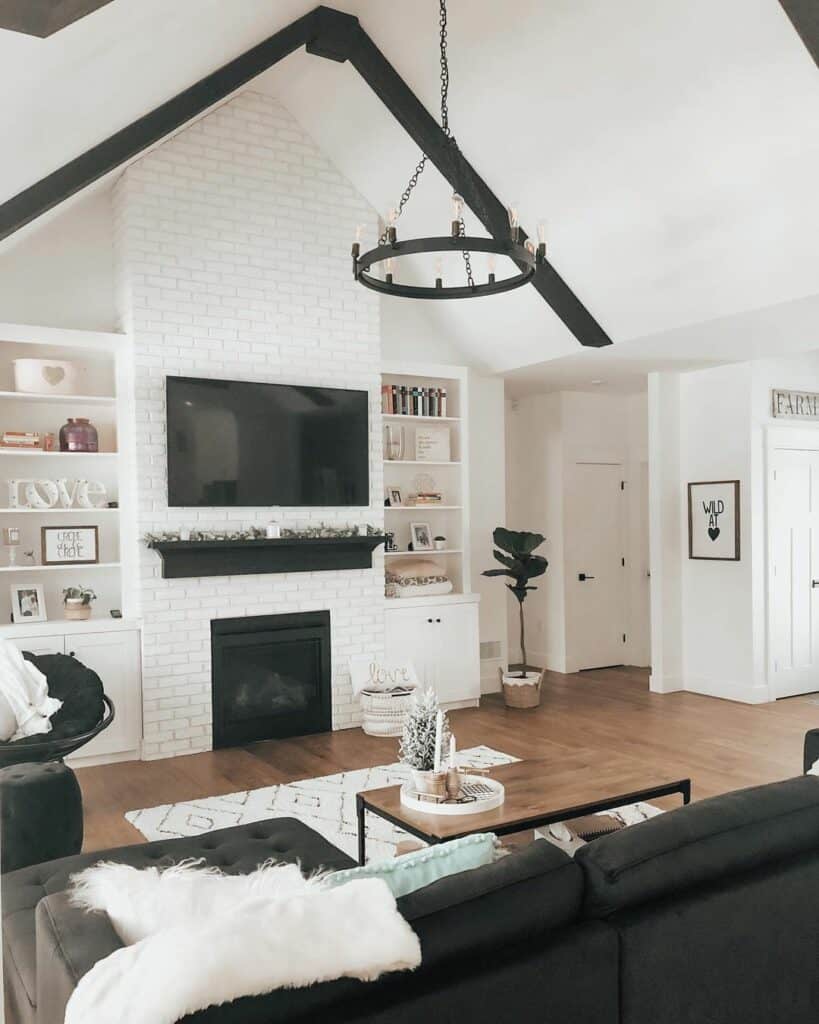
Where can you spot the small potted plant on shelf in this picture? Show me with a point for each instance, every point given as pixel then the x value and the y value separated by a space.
pixel 514 549
pixel 77 602
pixel 425 737
pixel 439 543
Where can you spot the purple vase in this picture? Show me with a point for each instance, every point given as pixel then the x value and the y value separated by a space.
pixel 78 435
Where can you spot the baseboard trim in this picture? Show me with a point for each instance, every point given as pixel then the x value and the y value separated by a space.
pixel 737 692
pixel 659 683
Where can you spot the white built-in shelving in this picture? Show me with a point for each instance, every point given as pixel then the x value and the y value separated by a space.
pixel 104 398
pixel 450 517
pixel 30 398
pixel 38 453
pixel 58 568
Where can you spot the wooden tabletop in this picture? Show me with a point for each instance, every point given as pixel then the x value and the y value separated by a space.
pixel 554 789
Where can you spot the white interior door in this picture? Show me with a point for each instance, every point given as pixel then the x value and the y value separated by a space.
pixel 794 539
pixel 595 555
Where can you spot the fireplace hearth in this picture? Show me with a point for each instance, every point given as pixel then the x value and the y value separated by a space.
pixel 271 677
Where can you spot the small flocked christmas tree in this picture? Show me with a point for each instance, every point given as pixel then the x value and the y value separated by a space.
pixel 417 748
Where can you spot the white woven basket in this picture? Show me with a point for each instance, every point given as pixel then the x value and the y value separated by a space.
pixel 383 714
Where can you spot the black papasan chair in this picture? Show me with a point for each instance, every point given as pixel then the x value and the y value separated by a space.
pixel 86 711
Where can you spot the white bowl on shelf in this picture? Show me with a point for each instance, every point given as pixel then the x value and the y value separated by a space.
pixel 46 376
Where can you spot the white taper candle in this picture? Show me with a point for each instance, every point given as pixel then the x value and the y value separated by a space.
pixel 439 731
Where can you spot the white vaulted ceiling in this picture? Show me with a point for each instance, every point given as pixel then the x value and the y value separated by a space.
pixel 672 148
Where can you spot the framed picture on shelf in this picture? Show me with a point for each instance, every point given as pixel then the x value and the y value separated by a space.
pixel 421 536
pixel 432 444
pixel 27 602
pixel 70 545
pixel 713 520
pixel 394 494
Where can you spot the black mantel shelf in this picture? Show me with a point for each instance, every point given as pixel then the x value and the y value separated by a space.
pixel 187 558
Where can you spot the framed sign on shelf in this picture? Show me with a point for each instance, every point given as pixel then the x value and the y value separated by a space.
pixel 432 444
pixel 70 545
pixel 713 520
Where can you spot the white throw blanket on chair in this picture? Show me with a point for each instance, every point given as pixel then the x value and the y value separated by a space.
pixel 25 706
pixel 280 931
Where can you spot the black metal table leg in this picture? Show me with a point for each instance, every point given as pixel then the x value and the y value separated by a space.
pixel 362 836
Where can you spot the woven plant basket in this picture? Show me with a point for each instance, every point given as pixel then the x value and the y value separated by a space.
pixel 521 695
pixel 384 713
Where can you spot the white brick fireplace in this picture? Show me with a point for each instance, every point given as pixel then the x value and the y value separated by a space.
pixel 232 249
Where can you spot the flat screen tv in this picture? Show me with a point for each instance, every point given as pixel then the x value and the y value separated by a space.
pixel 236 443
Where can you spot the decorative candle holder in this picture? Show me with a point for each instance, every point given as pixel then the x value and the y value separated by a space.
pixel 430 783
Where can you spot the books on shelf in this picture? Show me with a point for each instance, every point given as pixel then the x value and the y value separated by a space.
pixel 430 498
pixel 26 439
pixel 413 400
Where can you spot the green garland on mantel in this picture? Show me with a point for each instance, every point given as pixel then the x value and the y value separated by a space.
pixel 259 533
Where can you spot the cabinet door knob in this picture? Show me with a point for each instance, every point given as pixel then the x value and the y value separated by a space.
pixel 70 654
pixel 429 620
pixel 437 620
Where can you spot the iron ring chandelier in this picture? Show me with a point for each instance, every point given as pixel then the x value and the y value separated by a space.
pixel 524 254
pixel 526 258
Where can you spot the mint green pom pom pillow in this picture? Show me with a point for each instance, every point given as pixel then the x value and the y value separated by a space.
pixel 414 870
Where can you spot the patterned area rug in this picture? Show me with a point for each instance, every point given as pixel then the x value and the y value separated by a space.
pixel 326 804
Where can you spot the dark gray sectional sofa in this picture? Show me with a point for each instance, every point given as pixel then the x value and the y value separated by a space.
pixel 705 915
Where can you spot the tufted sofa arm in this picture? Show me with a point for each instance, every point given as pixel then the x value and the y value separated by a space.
pixel 69 942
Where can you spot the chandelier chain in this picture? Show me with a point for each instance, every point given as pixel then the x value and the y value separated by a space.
pixel 470 280
pixel 416 174
pixel 444 72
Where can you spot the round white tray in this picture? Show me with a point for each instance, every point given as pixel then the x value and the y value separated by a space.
pixel 487 803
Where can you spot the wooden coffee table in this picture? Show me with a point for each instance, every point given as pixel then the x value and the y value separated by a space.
pixel 537 793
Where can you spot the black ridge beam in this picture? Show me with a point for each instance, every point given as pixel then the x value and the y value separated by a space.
pixel 150 129
pixel 804 15
pixel 44 17
pixel 422 127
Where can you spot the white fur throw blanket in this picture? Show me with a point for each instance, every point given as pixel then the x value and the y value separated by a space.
pixel 25 706
pixel 269 930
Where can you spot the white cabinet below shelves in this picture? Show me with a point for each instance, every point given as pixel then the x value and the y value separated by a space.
pixel 441 640
pixel 115 656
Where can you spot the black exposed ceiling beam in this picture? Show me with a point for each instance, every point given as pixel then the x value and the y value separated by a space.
pixel 804 15
pixel 419 124
pixel 44 17
pixel 336 36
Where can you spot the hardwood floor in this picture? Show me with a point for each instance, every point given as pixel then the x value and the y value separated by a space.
pixel 720 745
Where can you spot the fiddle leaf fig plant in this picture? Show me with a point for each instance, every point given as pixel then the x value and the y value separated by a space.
pixel 514 549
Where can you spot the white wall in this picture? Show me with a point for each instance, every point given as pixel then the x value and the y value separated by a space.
pixel 487 509
pixel 409 336
pixel 546 436
pixel 62 275
pixel 709 619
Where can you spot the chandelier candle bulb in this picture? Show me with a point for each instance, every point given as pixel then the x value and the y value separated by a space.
pixel 541 240
pixel 392 217
pixel 439 273
pixel 491 265
pixel 457 214
pixel 389 272
pixel 514 221
pixel 357 242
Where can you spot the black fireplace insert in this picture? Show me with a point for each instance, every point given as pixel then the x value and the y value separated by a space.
pixel 271 677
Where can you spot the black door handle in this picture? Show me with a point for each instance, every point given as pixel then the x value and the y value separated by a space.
pixel 814 583
pixel 583 577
